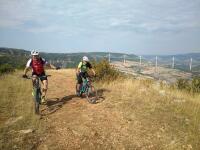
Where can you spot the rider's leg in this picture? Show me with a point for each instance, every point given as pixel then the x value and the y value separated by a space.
pixel 79 81
pixel 34 79
pixel 77 87
pixel 45 87
pixel 44 81
pixel 44 91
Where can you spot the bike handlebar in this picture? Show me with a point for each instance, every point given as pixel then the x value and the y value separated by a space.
pixel 24 76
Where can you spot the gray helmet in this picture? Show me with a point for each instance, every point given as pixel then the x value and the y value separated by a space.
pixel 34 53
pixel 85 58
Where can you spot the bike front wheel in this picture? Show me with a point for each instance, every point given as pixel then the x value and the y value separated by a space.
pixel 91 95
pixel 37 99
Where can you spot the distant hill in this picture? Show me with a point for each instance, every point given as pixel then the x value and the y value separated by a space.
pixel 13 51
pixel 15 57
pixel 18 57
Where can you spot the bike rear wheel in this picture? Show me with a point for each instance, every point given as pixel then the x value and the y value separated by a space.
pixel 91 94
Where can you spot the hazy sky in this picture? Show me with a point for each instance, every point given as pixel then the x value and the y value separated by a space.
pixel 130 26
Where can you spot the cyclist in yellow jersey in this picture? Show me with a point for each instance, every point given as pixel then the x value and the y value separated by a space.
pixel 81 71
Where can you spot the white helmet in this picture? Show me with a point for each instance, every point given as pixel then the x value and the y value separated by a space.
pixel 34 53
pixel 85 58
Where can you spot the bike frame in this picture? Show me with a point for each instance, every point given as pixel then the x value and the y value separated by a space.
pixel 85 85
pixel 88 89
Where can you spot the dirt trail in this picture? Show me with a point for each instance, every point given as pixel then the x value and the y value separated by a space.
pixel 121 121
pixel 74 123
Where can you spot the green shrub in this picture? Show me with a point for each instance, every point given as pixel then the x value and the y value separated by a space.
pixel 183 84
pixel 14 61
pixel 191 86
pixel 195 84
pixel 104 71
pixel 6 68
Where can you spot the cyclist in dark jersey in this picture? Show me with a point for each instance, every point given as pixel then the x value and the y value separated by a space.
pixel 81 72
pixel 37 64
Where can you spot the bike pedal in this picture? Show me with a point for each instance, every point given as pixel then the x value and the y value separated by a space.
pixel 78 93
pixel 44 103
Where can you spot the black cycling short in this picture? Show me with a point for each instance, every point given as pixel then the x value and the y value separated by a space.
pixel 42 76
pixel 82 75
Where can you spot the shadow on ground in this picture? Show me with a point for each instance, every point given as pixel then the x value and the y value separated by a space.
pixel 100 93
pixel 55 104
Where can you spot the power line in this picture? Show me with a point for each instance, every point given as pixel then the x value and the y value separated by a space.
pixel 173 62
pixel 109 57
pixel 190 64
pixel 156 63
pixel 124 59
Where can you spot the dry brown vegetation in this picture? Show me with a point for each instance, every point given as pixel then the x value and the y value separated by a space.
pixel 16 114
pixel 155 116
pixel 131 114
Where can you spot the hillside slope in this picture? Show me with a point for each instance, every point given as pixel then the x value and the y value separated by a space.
pixel 131 114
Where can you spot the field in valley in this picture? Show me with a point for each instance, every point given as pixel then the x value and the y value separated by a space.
pixel 149 71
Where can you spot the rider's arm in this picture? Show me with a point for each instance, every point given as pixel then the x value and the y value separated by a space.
pixel 91 68
pixel 94 73
pixel 28 65
pixel 46 64
pixel 78 70
pixel 50 66
pixel 26 70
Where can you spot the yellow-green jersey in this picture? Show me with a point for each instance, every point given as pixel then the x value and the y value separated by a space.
pixel 84 66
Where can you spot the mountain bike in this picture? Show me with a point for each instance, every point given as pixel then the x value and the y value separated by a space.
pixel 87 89
pixel 37 94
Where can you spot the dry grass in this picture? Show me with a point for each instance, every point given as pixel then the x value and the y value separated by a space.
pixel 157 117
pixel 135 114
pixel 16 103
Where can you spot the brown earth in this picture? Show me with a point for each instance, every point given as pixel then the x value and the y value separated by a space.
pixel 73 123
pixel 131 114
